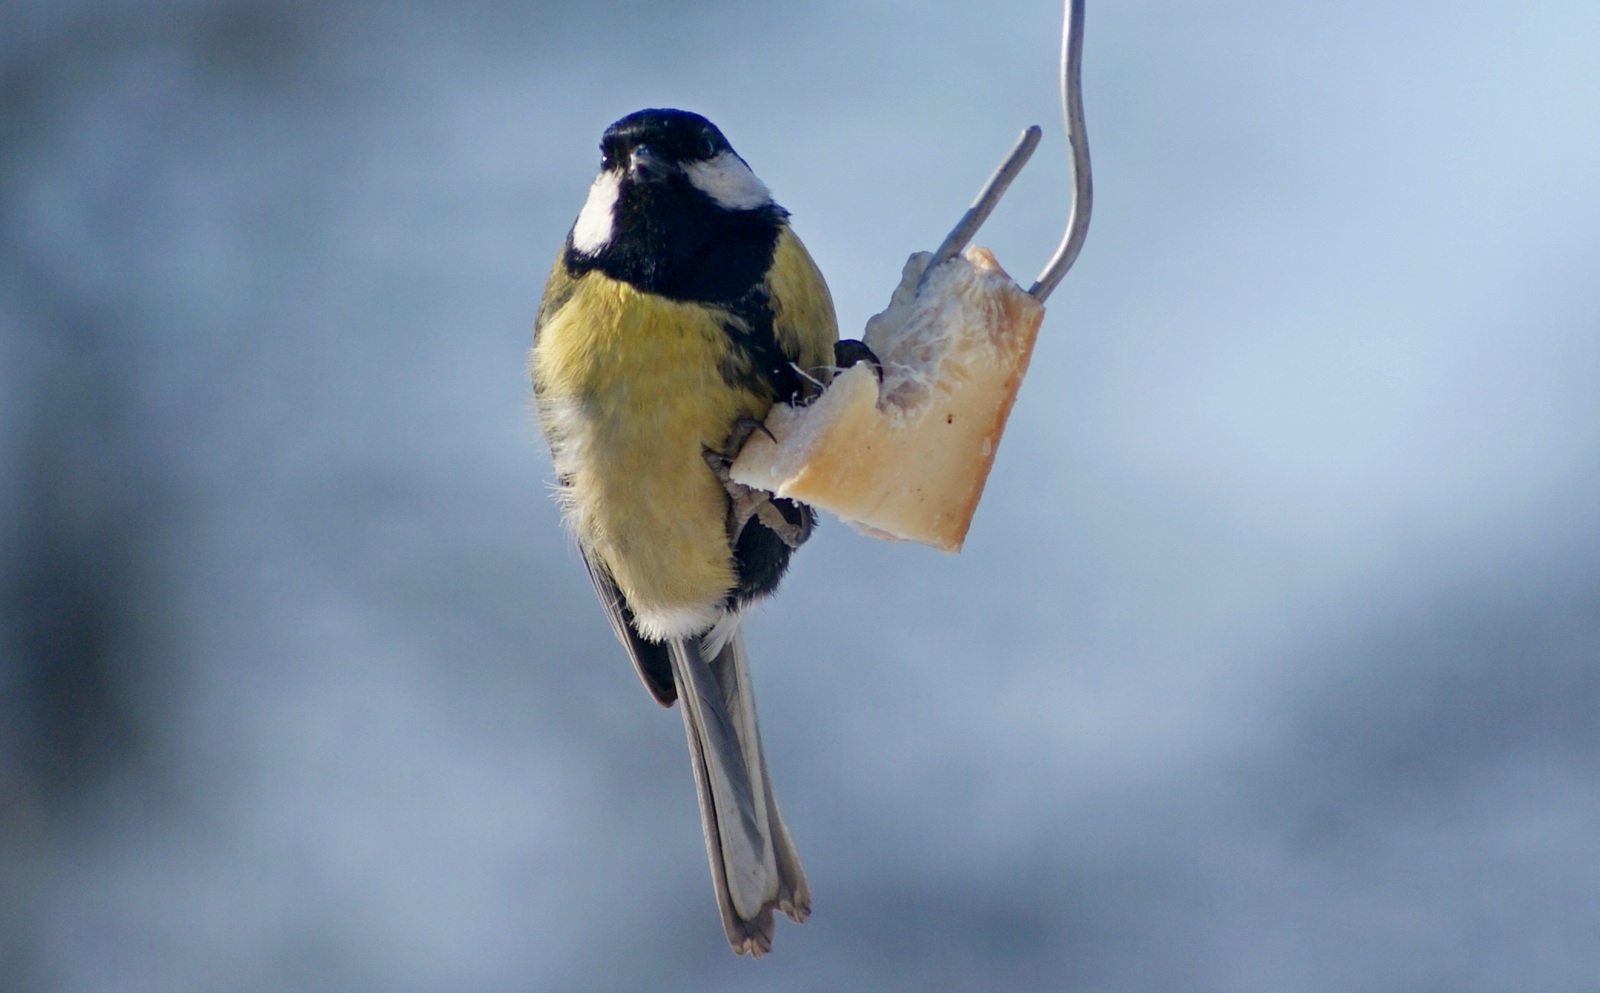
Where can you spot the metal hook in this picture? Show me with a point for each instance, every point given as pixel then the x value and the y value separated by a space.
pixel 1082 180
pixel 988 197
pixel 1078 145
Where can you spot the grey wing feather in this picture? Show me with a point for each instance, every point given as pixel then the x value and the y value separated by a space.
pixel 650 658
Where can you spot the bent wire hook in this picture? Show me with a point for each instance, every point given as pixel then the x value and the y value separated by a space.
pixel 1082 180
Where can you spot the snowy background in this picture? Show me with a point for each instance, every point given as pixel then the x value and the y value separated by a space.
pixel 1273 662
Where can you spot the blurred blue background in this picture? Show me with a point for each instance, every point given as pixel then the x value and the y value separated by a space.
pixel 1272 663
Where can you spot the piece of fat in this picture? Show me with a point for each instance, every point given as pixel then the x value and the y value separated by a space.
pixel 907 458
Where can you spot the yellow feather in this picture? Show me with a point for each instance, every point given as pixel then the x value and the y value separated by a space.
pixel 802 308
pixel 629 395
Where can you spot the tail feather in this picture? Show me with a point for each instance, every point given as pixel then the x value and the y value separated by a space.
pixel 754 866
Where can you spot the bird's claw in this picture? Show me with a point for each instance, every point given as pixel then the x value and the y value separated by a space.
pixel 745 502
pixel 791 534
pixel 721 460
pixel 848 351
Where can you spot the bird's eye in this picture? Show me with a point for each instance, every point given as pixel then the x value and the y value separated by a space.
pixel 708 146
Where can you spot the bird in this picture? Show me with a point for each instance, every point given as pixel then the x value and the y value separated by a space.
pixel 680 308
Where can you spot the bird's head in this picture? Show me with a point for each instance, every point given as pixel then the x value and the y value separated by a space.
pixel 667 178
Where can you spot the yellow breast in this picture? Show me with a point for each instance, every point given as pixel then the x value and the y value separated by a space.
pixel 630 396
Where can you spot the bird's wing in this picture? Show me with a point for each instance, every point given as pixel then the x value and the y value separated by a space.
pixel 649 657
pixel 558 289
pixel 803 321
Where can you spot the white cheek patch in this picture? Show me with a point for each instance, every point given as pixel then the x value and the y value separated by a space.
pixel 728 181
pixel 592 231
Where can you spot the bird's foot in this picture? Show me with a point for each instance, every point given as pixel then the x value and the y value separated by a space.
pixel 745 502
pixel 848 351
pixel 721 460
pixel 793 534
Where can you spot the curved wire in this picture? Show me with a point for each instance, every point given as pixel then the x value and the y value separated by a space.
pixel 988 198
pixel 1078 146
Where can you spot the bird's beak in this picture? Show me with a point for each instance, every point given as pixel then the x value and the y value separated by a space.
pixel 646 166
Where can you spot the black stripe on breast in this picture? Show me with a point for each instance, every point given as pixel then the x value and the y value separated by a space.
pixel 757 362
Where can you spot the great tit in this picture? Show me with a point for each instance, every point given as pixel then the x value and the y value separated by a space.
pixel 680 309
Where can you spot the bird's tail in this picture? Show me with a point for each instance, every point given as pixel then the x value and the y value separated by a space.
pixel 754 866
